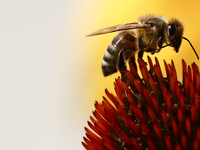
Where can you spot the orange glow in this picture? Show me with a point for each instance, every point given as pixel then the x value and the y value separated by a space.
pixel 109 13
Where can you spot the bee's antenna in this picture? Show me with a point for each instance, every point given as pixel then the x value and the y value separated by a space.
pixel 186 40
pixel 192 47
pixel 168 44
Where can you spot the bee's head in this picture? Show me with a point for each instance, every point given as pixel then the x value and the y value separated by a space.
pixel 175 33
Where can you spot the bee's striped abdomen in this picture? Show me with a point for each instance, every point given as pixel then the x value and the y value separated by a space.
pixel 110 59
pixel 122 41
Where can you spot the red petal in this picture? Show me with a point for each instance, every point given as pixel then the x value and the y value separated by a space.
pixel 147 96
pixel 188 127
pixel 178 147
pixel 130 99
pixel 130 76
pixel 111 97
pixel 168 143
pixel 158 131
pixel 112 119
pixel 193 114
pixel 158 72
pixel 187 83
pixel 93 127
pixel 135 110
pixel 125 138
pixel 142 63
pixel 173 85
pixel 184 69
pixel 107 105
pixel 190 73
pixel 175 127
pixel 102 131
pixel 145 130
pixel 184 141
pixel 155 104
pixel 100 119
pixel 153 85
pixel 108 146
pixel 121 109
pixel 198 134
pixel 182 102
pixel 134 71
pixel 191 91
pixel 138 86
pixel 198 82
pixel 145 74
pixel 174 71
pixel 108 142
pixel 100 125
pixel 134 127
pixel 124 117
pixel 96 141
pixel 164 89
pixel 119 90
pixel 168 102
pixel 125 86
pixel 134 141
pixel 93 119
pixel 195 145
pixel 178 91
pixel 100 109
pixel 164 116
pixel 180 117
pixel 196 96
pixel 88 144
pixel 195 71
pixel 151 145
pixel 150 64
pixel 92 135
pixel 152 115
pixel 141 116
pixel 119 83
pixel 167 70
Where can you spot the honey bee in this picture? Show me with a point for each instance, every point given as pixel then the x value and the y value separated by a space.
pixel 150 34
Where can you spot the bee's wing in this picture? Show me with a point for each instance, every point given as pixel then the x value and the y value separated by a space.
pixel 126 26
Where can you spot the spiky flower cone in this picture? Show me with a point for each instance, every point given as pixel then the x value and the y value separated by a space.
pixel 154 112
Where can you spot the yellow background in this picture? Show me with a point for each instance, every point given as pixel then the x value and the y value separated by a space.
pixel 50 73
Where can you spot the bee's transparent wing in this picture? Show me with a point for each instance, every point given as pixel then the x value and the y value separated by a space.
pixel 126 26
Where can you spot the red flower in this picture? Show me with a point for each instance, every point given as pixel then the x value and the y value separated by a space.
pixel 153 112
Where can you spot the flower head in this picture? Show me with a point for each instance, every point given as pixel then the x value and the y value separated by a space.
pixel 151 112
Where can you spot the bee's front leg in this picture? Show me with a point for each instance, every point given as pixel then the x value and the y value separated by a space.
pixel 140 54
pixel 141 48
pixel 141 44
pixel 160 43
pixel 156 47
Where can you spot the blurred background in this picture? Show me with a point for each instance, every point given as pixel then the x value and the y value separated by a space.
pixel 50 73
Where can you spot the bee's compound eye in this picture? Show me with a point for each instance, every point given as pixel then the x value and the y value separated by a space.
pixel 171 29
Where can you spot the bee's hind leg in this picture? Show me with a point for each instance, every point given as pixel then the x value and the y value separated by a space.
pixel 121 65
